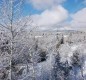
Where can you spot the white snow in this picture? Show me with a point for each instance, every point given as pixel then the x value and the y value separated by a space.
pixel 38 36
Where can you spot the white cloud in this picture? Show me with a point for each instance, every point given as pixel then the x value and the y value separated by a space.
pixel 50 17
pixel 53 13
pixel 79 19
pixel 65 28
pixel 44 4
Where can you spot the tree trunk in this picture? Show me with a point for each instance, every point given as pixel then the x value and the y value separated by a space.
pixel 82 73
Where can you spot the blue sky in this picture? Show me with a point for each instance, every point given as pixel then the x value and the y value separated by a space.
pixel 56 14
pixel 71 5
pixel 69 14
pixel 74 5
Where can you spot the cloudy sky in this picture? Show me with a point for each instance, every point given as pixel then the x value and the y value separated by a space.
pixel 57 14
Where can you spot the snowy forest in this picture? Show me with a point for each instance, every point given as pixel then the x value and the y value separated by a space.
pixel 28 54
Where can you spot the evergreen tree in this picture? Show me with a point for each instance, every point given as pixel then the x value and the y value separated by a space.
pixel 66 70
pixel 56 68
pixel 77 64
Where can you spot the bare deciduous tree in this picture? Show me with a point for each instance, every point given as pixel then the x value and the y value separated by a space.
pixel 11 22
